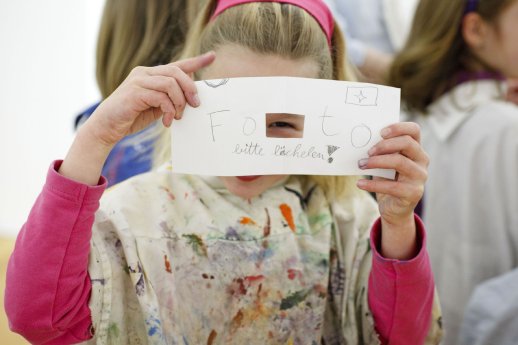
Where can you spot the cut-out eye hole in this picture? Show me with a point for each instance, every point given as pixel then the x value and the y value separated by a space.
pixel 282 125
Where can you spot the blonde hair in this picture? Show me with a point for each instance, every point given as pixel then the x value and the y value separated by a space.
pixel 435 50
pixel 139 33
pixel 277 29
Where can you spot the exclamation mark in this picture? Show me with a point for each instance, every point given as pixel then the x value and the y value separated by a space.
pixel 330 150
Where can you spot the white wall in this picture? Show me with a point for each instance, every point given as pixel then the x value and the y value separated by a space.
pixel 47 75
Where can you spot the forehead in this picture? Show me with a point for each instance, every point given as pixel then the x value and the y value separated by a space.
pixel 234 61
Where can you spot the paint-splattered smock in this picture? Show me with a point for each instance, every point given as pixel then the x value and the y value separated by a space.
pixel 179 260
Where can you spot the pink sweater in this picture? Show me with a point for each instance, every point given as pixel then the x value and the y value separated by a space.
pixel 48 286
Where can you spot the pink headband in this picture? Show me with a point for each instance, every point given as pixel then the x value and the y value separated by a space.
pixel 316 8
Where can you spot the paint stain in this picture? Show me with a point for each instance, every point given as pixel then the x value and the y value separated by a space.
pixel 294 273
pixel 167 264
pixel 268 226
pixel 237 320
pixel 197 244
pixel 239 286
pixel 152 331
pixel 294 299
pixel 247 221
pixel 170 194
pixel 288 216
pixel 154 327
pixel 263 254
pixel 232 234
pixel 213 334
pixel 113 330
pixel 140 287
pixel 251 279
pixel 321 290
pixel 165 228
pixel 304 201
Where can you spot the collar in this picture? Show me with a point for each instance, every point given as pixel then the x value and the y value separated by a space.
pixel 217 184
pixel 214 181
pixel 453 108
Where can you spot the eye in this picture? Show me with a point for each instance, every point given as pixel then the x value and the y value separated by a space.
pixel 281 124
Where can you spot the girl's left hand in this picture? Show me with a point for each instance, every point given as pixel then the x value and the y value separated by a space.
pixel 400 150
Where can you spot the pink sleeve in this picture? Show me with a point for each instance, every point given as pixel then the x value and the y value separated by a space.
pixel 401 293
pixel 48 287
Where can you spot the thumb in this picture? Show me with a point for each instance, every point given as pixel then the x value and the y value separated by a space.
pixel 193 64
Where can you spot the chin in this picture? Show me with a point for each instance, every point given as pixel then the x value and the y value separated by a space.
pixel 249 187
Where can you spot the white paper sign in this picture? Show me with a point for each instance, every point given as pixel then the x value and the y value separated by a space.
pixel 227 134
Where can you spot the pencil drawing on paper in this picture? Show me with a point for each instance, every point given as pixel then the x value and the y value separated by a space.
pixel 361 136
pixel 330 150
pixel 363 96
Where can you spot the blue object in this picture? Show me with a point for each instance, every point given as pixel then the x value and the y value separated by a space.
pixel 133 155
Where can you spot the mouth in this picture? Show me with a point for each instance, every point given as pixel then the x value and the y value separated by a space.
pixel 248 178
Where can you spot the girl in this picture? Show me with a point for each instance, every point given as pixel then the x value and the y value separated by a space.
pixel 208 260
pixel 452 74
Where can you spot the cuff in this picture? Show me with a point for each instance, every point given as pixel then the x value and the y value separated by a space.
pixel 401 266
pixel 73 190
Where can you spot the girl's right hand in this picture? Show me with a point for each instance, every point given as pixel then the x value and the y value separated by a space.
pixel 147 94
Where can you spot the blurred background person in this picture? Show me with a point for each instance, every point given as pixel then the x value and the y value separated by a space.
pixel 375 30
pixel 491 317
pixel 452 72
pixel 136 33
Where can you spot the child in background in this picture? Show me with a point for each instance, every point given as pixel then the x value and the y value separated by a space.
pixel 491 316
pixel 452 74
pixel 136 33
pixel 188 259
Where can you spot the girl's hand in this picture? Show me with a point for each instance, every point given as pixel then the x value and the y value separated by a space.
pixel 400 150
pixel 147 94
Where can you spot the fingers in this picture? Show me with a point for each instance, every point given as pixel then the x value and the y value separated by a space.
pixel 185 83
pixel 170 87
pixel 411 129
pixel 401 151
pixel 406 145
pixel 412 193
pixel 406 167
pixel 159 100
pixel 180 71
pixel 173 79
pixel 196 63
